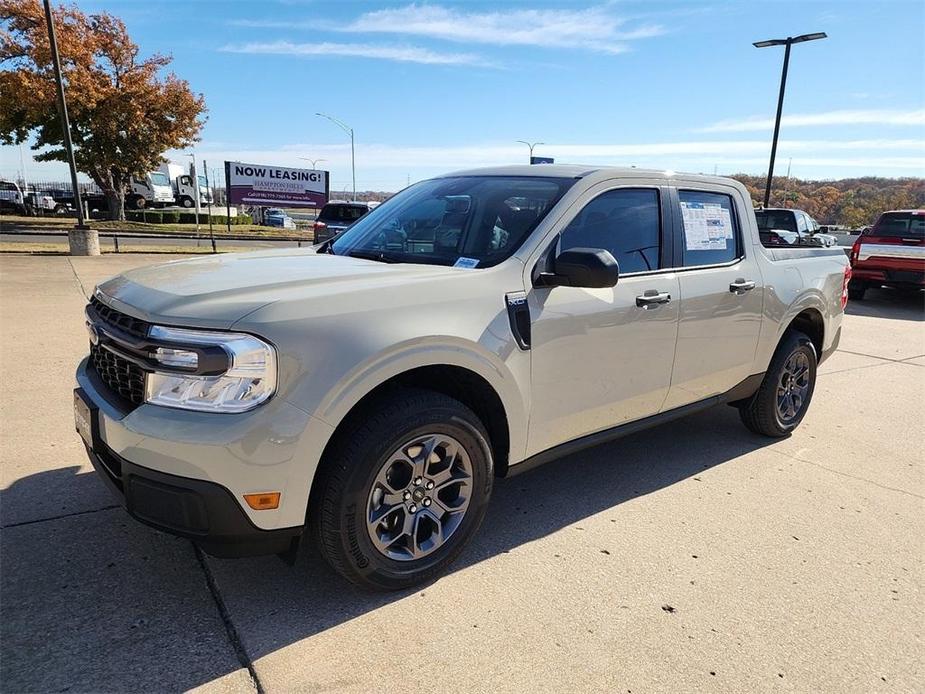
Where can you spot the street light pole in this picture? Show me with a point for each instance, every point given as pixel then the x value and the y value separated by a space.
pixel 787 43
pixel 195 177
pixel 347 129
pixel 83 242
pixel 531 145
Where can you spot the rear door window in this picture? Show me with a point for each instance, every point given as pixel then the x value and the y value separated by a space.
pixel 710 228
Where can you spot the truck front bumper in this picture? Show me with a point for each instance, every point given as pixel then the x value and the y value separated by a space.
pixel 202 511
pixel 187 473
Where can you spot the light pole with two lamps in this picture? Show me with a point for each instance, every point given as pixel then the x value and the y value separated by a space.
pixel 313 161
pixel 787 43
pixel 531 145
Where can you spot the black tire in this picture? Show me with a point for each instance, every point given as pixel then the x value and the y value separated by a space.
pixel 761 413
pixel 337 513
pixel 856 289
pixel 186 201
pixel 136 202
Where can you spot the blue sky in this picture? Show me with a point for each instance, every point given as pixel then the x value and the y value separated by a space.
pixel 436 86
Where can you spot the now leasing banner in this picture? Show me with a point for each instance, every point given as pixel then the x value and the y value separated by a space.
pixel 277 186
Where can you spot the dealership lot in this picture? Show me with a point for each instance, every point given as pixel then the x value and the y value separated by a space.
pixel 695 556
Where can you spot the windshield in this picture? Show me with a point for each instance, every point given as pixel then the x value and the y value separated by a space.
pixel 342 213
pixel 159 179
pixel 775 219
pixel 900 224
pixel 477 221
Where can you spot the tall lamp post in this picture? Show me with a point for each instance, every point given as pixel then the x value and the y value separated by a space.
pixel 347 129
pixel 313 161
pixel 82 240
pixel 531 145
pixel 787 43
pixel 195 176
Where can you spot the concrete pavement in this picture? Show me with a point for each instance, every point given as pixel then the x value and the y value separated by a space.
pixel 693 557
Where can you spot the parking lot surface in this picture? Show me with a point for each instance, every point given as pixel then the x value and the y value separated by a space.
pixel 691 557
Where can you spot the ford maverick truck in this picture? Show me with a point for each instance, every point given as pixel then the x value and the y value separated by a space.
pixel 365 393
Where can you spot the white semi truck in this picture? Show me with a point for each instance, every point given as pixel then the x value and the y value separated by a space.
pixel 181 182
pixel 153 190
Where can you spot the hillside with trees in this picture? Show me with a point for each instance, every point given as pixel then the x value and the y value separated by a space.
pixel 849 202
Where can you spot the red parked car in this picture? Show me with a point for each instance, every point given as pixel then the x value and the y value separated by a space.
pixel 891 252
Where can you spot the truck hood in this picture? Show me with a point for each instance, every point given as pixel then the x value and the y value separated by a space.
pixel 218 290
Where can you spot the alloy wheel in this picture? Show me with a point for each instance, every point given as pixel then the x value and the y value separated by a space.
pixel 793 387
pixel 419 497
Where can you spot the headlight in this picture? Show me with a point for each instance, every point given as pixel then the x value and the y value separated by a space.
pixel 247 378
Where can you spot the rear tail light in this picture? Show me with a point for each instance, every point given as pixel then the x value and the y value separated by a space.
pixel 855 251
pixel 320 225
pixel 844 286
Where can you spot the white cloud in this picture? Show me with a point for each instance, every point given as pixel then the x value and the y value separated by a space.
pixel 387 166
pixel 844 117
pixel 391 162
pixel 403 54
pixel 594 28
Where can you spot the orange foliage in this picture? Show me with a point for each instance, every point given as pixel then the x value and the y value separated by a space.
pixel 124 114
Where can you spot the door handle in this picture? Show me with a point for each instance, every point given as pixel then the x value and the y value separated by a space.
pixel 741 285
pixel 652 298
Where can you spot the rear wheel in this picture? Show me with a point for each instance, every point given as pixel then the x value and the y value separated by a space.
pixel 786 391
pixel 402 490
pixel 856 290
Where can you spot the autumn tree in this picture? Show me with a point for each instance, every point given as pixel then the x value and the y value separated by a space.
pixel 124 112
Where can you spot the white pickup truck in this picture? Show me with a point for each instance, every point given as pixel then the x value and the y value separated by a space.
pixel 366 392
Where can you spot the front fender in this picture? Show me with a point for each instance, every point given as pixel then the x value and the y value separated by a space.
pixel 437 351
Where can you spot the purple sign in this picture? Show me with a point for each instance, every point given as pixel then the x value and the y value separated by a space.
pixel 259 184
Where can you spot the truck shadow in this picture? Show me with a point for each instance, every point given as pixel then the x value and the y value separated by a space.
pixel 885 302
pixel 309 598
pixel 272 605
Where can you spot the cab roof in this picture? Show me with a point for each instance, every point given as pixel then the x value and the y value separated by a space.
pixel 580 171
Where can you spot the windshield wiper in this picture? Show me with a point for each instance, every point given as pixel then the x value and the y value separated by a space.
pixel 378 256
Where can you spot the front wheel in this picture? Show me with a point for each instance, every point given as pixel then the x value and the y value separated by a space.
pixel 786 391
pixel 186 201
pixel 402 490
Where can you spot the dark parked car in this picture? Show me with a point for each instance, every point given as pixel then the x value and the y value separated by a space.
pixel 783 227
pixel 337 216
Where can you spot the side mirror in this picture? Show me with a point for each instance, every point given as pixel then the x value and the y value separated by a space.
pixel 591 268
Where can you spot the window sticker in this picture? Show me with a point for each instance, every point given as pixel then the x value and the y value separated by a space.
pixel 707 226
pixel 466 262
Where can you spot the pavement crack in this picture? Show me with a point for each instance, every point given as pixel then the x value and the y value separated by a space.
pixel 233 638
pixel 874 356
pixel 63 515
pixel 77 277
pixel 847 474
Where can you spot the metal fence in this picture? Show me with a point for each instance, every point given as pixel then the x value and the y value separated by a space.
pixel 63 188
